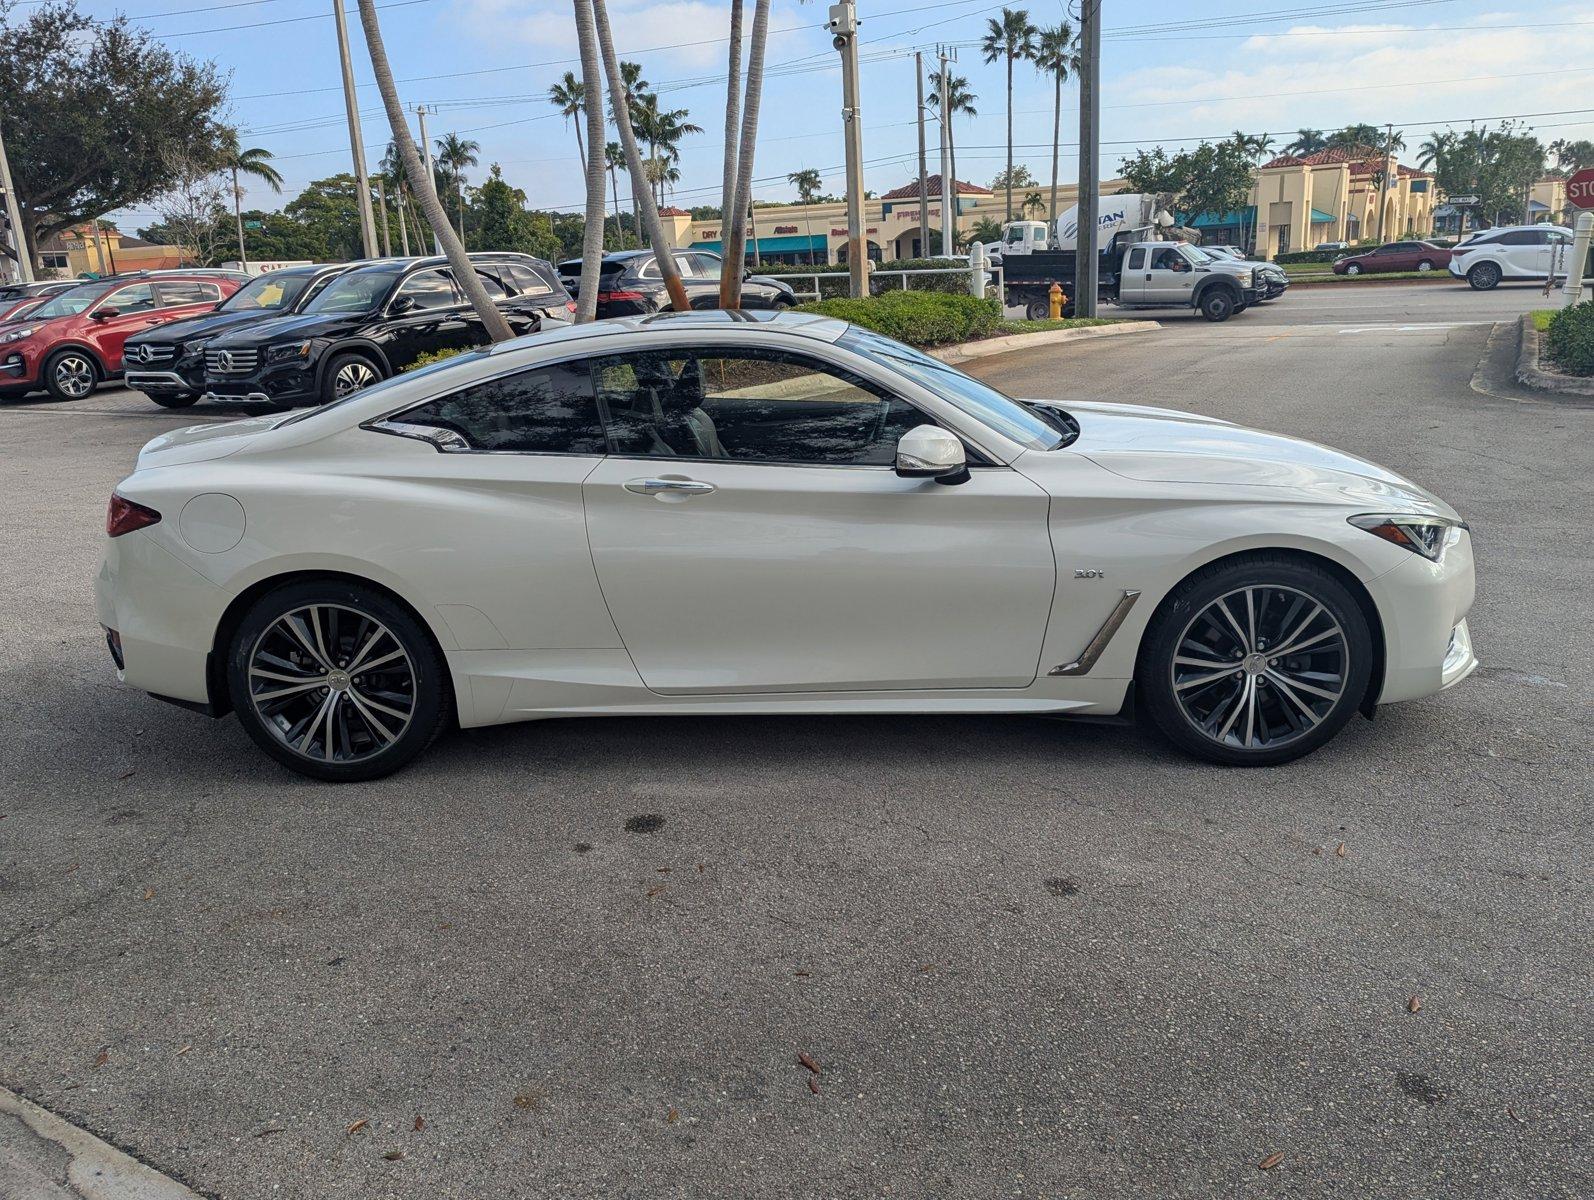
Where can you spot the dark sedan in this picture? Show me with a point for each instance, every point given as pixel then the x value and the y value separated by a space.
pixel 630 284
pixel 1395 256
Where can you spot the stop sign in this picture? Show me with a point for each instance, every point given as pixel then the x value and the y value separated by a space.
pixel 1580 188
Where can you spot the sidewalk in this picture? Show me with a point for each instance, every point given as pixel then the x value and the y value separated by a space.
pixel 44 1158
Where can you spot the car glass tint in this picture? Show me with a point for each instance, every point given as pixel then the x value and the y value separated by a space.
pixel 748 406
pixel 495 290
pixel 136 299
pixel 187 293
pixel 429 290
pixel 358 291
pixel 530 282
pixel 1137 258
pixel 268 293
pixel 549 410
pixel 71 302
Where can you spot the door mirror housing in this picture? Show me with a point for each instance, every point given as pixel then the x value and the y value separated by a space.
pixel 747 272
pixel 930 452
pixel 404 304
pixel 105 314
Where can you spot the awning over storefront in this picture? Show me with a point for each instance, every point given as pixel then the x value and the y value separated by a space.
pixel 1213 220
pixel 1319 217
pixel 773 245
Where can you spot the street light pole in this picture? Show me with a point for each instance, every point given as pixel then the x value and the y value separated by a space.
pixel 431 174
pixel 924 183
pixel 362 179
pixel 844 25
pixel 19 238
pixel 948 184
pixel 1086 261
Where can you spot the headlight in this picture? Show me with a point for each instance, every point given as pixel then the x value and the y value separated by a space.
pixel 1427 536
pixel 16 335
pixel 300 350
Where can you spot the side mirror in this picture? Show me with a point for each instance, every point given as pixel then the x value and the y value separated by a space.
pixel 402 305
pixel 747 272
pixel 930 452
pixel 105 314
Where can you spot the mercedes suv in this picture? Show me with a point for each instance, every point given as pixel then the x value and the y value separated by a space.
pixel 375 321
pixel 167 363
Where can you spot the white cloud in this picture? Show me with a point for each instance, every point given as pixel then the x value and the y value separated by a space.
pixel 695 30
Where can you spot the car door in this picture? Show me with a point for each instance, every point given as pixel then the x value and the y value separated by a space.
pixel 120 314
pixel 1526 252
pixel 1168 276
pixel 750 534
pixel 425 315
pixel 1132 283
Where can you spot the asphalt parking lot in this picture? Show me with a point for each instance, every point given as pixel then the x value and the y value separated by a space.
pixel 1031 958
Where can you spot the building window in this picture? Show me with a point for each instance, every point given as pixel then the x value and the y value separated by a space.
pixel 55 260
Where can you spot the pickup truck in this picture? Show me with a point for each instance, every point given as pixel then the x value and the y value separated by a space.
pixel 1136 274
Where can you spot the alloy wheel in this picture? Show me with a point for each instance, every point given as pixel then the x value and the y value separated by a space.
pixel 74 375
pixel 1260 667
pixel 351 377
pixel 331 683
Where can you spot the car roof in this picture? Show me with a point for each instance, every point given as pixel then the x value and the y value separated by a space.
pixel 716 320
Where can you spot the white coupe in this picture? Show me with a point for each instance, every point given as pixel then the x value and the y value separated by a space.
pixel 710 513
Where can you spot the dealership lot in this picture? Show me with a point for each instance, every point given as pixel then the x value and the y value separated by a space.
pixel 1029 957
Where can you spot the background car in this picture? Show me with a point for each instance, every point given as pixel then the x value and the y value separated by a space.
pixel 18 298
pixel 1512 252
pixel 1332 246
pixel 720 513
pixel 629 283
pixel 73 341
pixel 167 363
pixel 374 321
pixel 1394 256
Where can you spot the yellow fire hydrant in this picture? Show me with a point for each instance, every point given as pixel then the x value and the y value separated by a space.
pixel 1057 299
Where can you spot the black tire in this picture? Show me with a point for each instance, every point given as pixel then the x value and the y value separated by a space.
pixel 351 364
pixel 173 399
pixel 71 374
pixel 1217 304
pixel 1425 265
pixel 1038 310
pixel 366 742
pixel 1189 710
pixel 1484 277
pixel 1353 268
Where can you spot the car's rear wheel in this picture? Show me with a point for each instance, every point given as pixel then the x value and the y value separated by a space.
pixel 1425 265
pixel 1255 661
pixel 173 399
pixel 71 374
pixel 347 374
pixel 337 681
pixel 1353 268
pixel 1484 276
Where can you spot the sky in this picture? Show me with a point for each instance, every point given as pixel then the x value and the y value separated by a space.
pixel 1172 74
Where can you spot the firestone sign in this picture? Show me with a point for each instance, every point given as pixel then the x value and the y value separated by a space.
pixel 1580 188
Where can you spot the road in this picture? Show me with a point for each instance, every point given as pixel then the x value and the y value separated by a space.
pixel 1031 958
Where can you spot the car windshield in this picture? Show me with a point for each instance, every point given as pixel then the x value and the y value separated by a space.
pixel 71 302
pixel 276 292
pixel 1196 255
pixel 358 291
pixel 985 404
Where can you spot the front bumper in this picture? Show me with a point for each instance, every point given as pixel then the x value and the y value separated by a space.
pixel 19 368
pixel 286 384
pixel 1424 605
pixel 160 381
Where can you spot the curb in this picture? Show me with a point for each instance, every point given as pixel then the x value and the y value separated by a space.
pixel 1530 374
pixel 1034 341
pixel 35 1142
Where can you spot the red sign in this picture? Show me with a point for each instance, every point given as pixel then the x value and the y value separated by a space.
pixel 1580 188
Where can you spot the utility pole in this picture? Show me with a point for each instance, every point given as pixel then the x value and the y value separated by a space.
pixel 844 26
pixel 404 230
pixel 948 218
pixel 924 183
pixel 1390 176
pixel 1085 257
pixel 387 234
pixel 431 174
pixel 362 179
pixel 19 238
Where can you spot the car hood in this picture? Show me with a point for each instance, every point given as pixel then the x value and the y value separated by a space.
pixel 1159 445
pixel 302 325
pixel 205 325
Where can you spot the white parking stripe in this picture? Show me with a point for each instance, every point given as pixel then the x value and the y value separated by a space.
pixel 1411 328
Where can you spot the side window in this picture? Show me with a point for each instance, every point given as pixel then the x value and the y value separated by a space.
pixel 1557 238
pixel 1137 258
pixel 429 289
pixel 1521 237
pixel 495 290
pixel 549 410
pixel 528 281
pixel 1166 259
pixel 689 265
pixel 140 297
pixel 707 263
pixel 649 269
pixel 749 406
pixel 187 293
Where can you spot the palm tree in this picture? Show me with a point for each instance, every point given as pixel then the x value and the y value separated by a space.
pixel 1010 37
pixel 729 172
pixel 1256 145
pixel 576 92
pixel 734 236
pixel 464 273
pixel 958 100
pixel 1435 148
pixel 1307 141
pixel 807 182
pixel 256 162
pixel 454 154
pixel 569 96
pixel 633 158
pixel 1034 202
pixel 662 130
pixel 1057 55
pixel 615 158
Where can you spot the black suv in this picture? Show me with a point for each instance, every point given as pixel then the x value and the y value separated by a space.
pixel 167 363
pixel 629 283
pixel 374 321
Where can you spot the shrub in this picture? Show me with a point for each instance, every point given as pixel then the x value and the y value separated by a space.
pixel 1310 256
pixel 917 318
pixel 1570 340
pixel 433 356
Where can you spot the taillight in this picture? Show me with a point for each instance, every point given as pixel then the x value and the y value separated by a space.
pixel 610 296
pixel 124 516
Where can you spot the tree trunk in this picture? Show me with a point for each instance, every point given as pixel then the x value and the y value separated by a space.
pixel 404 229
pixel 614 189
pixel 238 214
pixel 633 161
pixel 730 274
pixel 459 193
pixel 735 246
pixel 464 272
pixel 1057 133
pixel 1010 137
pixel 581 148
pixel 592 113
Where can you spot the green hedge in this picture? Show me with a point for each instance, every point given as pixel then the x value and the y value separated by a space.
pixel 917 318
pixel 1311 256
pixel 1570 340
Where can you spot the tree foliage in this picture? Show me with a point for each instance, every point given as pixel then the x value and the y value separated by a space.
pixel 1214 177
pixel 97 112
pixel 1498 165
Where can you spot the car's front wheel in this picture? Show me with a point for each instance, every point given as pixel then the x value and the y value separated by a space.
pixel 337 681
pixel 1217 305
pixel 1255 661
pixel 1353 269
pixel 71 374
pixel 1484 276
pixel 347 374
pixel 1425 265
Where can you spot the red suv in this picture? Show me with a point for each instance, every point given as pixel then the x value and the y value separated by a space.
pixel 73 341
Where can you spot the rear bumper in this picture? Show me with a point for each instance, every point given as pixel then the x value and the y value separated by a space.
pixel 164 615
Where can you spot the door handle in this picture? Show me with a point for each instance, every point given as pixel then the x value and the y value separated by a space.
pixel 654 487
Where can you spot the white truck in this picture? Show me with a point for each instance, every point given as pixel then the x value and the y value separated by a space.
pixel 1141 216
